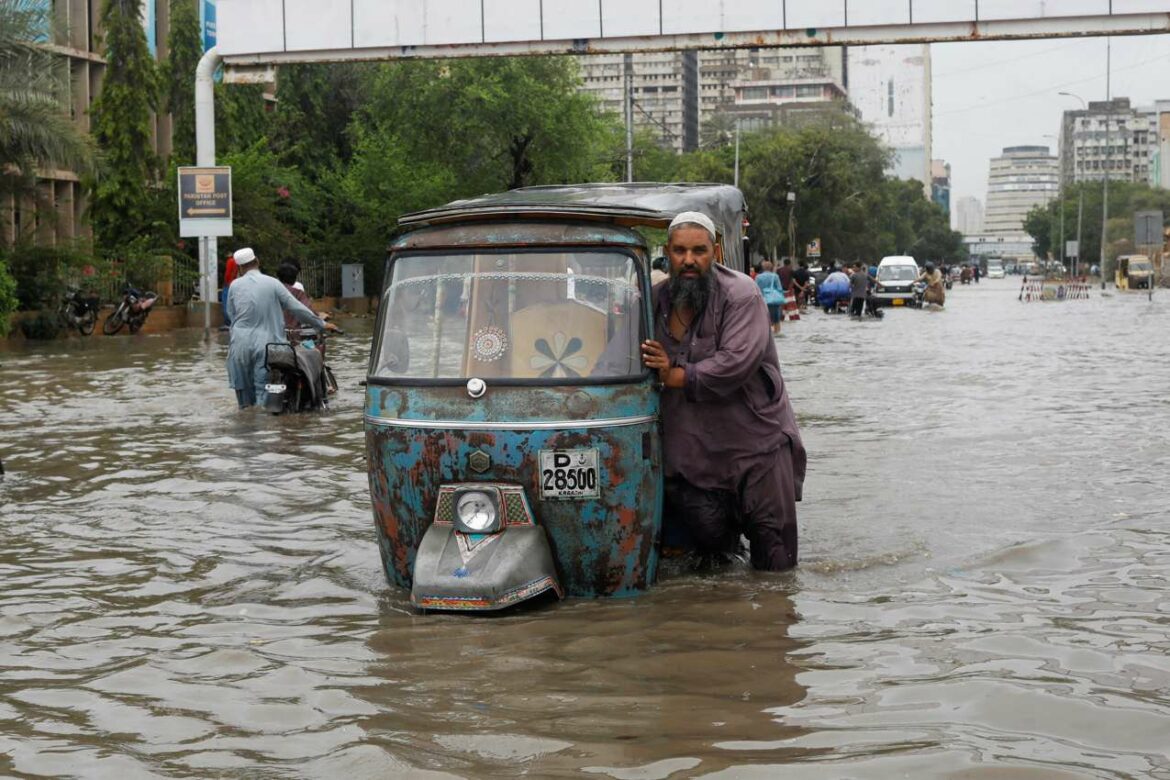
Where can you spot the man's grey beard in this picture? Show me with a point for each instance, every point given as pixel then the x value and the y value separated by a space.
pixel 690 293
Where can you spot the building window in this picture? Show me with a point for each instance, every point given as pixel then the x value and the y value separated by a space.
pixel 890 97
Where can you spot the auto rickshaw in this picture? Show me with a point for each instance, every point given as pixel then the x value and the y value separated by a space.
pixel 511 429
pixel 1134 272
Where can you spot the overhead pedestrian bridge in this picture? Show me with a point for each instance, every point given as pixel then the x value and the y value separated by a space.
pixel 256 32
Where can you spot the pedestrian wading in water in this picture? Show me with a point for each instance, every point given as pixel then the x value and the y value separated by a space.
pixel 734 461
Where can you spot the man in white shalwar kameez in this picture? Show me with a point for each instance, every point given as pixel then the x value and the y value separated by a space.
pixel 256 304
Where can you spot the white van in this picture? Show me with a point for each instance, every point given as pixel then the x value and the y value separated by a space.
pixel 896 275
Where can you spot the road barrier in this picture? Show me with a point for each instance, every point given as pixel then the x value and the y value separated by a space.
pixel 1038 289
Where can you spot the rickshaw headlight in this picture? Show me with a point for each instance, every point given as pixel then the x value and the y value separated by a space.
pixel 476 512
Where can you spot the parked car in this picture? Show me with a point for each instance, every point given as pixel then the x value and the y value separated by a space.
pixel 896 275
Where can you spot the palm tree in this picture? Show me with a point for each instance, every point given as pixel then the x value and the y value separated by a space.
pixel 36 131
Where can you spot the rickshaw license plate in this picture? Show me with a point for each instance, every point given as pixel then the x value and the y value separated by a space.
pixel 569 474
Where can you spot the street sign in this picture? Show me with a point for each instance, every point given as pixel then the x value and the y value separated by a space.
pixel 1147 228
pixel 1072 249
pixel 205 201
pixel 814 248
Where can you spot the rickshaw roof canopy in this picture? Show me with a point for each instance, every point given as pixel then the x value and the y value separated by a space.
pixel 640 203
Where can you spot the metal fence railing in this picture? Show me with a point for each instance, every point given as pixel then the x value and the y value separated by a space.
pixel 176 281
pixel 185 277
pixel 321 277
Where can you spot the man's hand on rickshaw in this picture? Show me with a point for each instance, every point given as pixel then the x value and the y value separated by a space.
pixel 655 357
pixel 331 327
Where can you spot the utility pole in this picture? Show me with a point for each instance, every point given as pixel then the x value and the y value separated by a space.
pixel 792 226
pixel 1080 212
pixel 205 155
pixel 737 151
pixel 1060 204
pixel 1080 188
pixel 1105 179
pixel 629 79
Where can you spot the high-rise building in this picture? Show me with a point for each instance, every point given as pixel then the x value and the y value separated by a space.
pixel 665 87
pixel 682 96
pixel 969 215
pixel 940 184
pixel 890 86
pixel 1109 137
pixel 765 87
pixel 1160 157
pixel 1023 177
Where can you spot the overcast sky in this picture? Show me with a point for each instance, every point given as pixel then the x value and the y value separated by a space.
pixel 988 95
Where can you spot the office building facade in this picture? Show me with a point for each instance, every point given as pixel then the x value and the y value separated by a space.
pixel 1111 138
pixel 1021 178
pixel 55 214
pixel 968 215
pixel 665 87
pixel 890 86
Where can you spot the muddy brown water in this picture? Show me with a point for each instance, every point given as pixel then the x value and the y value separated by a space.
pixel 189 591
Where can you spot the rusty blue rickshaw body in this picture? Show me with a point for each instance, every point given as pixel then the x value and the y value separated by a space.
pixel 511 429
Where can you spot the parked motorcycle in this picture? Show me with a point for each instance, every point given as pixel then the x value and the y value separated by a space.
pixel 80 311
pixel 132 311
pixel 298 379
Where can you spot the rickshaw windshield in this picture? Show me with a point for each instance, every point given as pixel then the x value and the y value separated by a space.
pixel 547 317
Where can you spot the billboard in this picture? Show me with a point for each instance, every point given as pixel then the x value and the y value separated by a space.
pixel 207 23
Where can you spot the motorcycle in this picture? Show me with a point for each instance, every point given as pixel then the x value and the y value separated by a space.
pixel 919 290
pixel 132 311
pixel 298 379
pixel 80 311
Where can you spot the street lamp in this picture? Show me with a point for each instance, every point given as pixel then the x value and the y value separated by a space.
pixel 1106 161
pixel 1081 203
pixel 1059 205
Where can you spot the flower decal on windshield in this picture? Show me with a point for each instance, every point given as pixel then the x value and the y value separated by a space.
pixel 560 359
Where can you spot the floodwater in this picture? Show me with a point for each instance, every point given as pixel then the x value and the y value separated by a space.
pixel 984 592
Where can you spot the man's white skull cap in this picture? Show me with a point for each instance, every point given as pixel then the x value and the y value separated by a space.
pixel 695 218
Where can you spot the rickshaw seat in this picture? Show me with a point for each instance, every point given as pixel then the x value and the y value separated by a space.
pixel 557 339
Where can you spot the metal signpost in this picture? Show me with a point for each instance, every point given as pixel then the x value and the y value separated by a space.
pixel 205 211
pixel 1147 227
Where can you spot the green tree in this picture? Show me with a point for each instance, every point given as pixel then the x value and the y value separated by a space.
pixel 185 49
pixel 275 207
pixel 124 206
pixel 835 168
pixel 1125 199
pixel 433 131
pixel 241 117
pixel 314 106
pixel 35 128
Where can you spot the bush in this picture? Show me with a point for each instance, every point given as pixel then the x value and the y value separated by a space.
pixel 43 325
pixel 8 299
pixel 43 274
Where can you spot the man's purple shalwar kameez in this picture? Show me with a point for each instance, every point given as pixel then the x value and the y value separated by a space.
pixel 732 447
